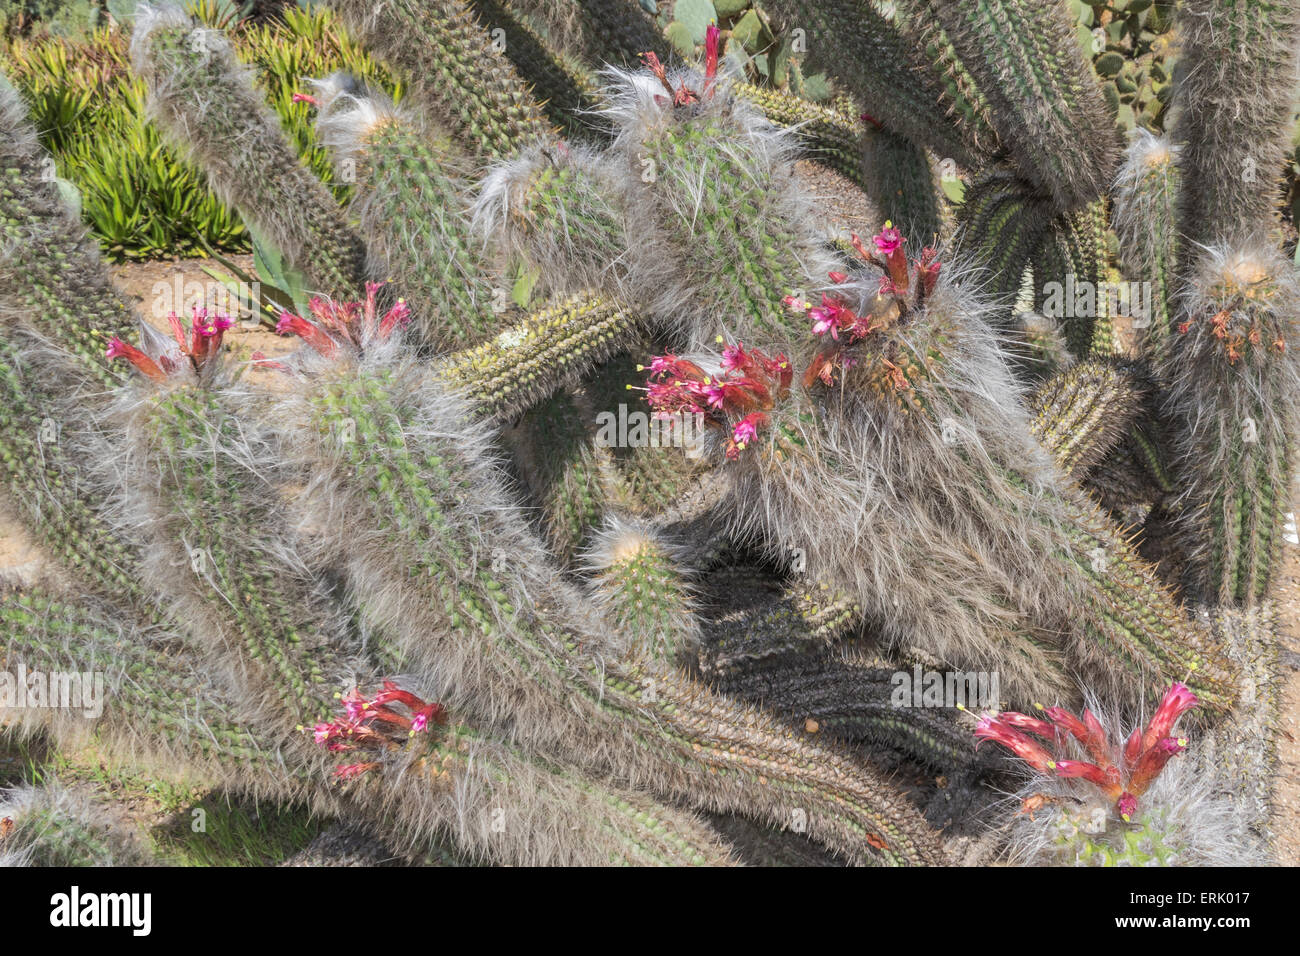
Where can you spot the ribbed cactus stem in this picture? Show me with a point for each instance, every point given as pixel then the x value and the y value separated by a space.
pixel 566 474
pixel 43 474
pixel 50 826
pixel 559 214
pixel 733 236
pixel 1001 225
pixel 1233 110
pixel 413 207
pixel 561 83
pixel 158 704
pixel 638 579
pixel 1232 392
pixel 495 804
pixel 203 98
pixel 830 135
pixel 854 698
pixel 1070 272
pixel 904 184
pixel 456 69
pixel 1044 99
pixel 1081 414
pixel 211 513
pixel 604 31
pixel 531 359
pixel 500 602
pixel 1062 565
pixel 896 76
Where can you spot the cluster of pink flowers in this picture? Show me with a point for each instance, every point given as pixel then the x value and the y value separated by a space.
pixel 347 325
pixel 682 95
pixel 1122 774
pixel 372 723
pixel 749 385
pixel 197 346
pixel 905 283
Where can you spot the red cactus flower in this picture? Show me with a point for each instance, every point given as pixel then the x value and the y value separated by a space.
pixel 118 349
pixel 889 240
pixel 1145 753
pixel 1126 805
pixel 1034 754
pixel 1028 724
pixel 352 771
pixel 197 347
pixel 349 325
pixel 711 37
pixel 372 722
pixel 750 383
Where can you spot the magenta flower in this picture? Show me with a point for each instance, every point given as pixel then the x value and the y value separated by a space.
pixel 1177 701
pixel 1126 806
pixel 373 723
pixel 711 37
pixel 750 384
pixel 746 431
pixel 118 349
pixel 197 348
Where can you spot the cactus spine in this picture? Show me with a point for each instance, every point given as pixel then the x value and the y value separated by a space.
pixel 204 99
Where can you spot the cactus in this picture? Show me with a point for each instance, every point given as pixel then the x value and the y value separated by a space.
pixel 1146 197
pixel 638 578
pixel 715 628
pixel 413 209
pixel 556 683
pixel 1125 801
pixel 911 86
pixel 903 183
pixel 203 97
pixel 455 70
pixel 1084 412
pixel 505 808
pixel 52 826
pixel 1001 225
pixel 1232 384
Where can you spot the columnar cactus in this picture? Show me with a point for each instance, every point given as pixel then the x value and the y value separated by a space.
pixel 203 97
pixel 600 636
